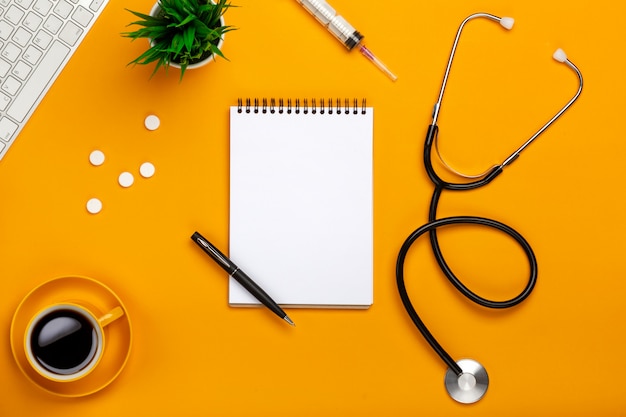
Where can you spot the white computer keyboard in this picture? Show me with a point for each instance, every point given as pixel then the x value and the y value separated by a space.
pixel 37 39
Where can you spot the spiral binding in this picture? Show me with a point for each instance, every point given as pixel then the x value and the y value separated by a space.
pixel 296 106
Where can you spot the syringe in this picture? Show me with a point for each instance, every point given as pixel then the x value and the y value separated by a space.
pixel 342 30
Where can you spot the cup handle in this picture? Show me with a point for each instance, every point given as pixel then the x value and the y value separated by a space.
pixel 111 316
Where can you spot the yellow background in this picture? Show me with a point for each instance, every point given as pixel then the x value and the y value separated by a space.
pixel 559 353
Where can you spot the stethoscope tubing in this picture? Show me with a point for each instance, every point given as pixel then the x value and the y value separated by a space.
pixel 406 300
pixel 438 181
pixel 431 227
pixel 481 221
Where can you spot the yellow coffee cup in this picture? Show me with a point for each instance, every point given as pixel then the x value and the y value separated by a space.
pixel 65 342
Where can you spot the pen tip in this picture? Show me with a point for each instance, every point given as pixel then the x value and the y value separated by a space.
pixel 288 320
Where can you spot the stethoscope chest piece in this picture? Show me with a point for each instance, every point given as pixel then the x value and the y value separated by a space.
pixel 471 385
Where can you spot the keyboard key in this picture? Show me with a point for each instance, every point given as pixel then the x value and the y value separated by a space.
pixel 11 85
pixel 32 21
pixel 7 129
pixel 5 30
pixel 24 3
pixel 4 101
pixel 4 2
pixel 32 55
pixel 42 39
pixel 70 33
pixel 14 15
pixel 22 37
pixel 42 7
pixel 21 70
pixel 38 82
pixel 4 68
pixel 53 24
pixel 11 52
pixel 96 4
pixel 82 16
pixel 63 8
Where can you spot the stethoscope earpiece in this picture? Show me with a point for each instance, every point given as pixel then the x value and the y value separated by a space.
pixel 469 386
pixel 560 55
pixel 507 22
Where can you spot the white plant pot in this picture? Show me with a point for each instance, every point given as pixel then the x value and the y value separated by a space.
pixel 157 8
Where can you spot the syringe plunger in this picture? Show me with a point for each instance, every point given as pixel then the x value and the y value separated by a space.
pixel 335 24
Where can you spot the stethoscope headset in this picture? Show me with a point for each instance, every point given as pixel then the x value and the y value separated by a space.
pixel 466 380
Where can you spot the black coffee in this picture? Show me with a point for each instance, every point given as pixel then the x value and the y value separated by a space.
pixel 64 342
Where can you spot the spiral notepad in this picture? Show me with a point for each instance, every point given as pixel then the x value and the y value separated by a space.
pixel 301 201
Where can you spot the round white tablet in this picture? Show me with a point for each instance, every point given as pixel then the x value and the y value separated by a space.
pixel 94 206
pixel 126 179
pixel 146 170
pixel 152 122
pixel 96 158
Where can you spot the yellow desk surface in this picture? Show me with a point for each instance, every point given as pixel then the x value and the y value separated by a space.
pixel 558 353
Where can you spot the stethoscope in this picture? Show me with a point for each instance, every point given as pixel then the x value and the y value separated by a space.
pixel 467 380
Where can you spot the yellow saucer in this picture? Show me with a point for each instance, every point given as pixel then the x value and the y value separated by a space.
pixel 118 334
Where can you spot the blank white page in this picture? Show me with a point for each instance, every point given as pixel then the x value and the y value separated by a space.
pixel 301 206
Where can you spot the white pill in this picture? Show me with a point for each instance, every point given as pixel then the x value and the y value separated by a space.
pixel 126 179
pixel 94 206
pixel 152 122
pixel 96 158
pixel 146 170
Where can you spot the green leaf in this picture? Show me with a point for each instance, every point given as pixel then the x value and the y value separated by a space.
pixel 182 32
pixel 189 37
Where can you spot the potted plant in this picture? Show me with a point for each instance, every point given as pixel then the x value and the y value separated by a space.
pixel 182 33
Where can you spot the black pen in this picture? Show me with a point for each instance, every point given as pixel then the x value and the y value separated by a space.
pixel 240 276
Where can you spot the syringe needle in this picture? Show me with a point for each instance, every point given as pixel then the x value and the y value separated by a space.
pixel 369 55
pixel 342 30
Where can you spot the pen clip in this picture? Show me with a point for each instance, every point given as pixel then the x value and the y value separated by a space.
pixel 217 255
